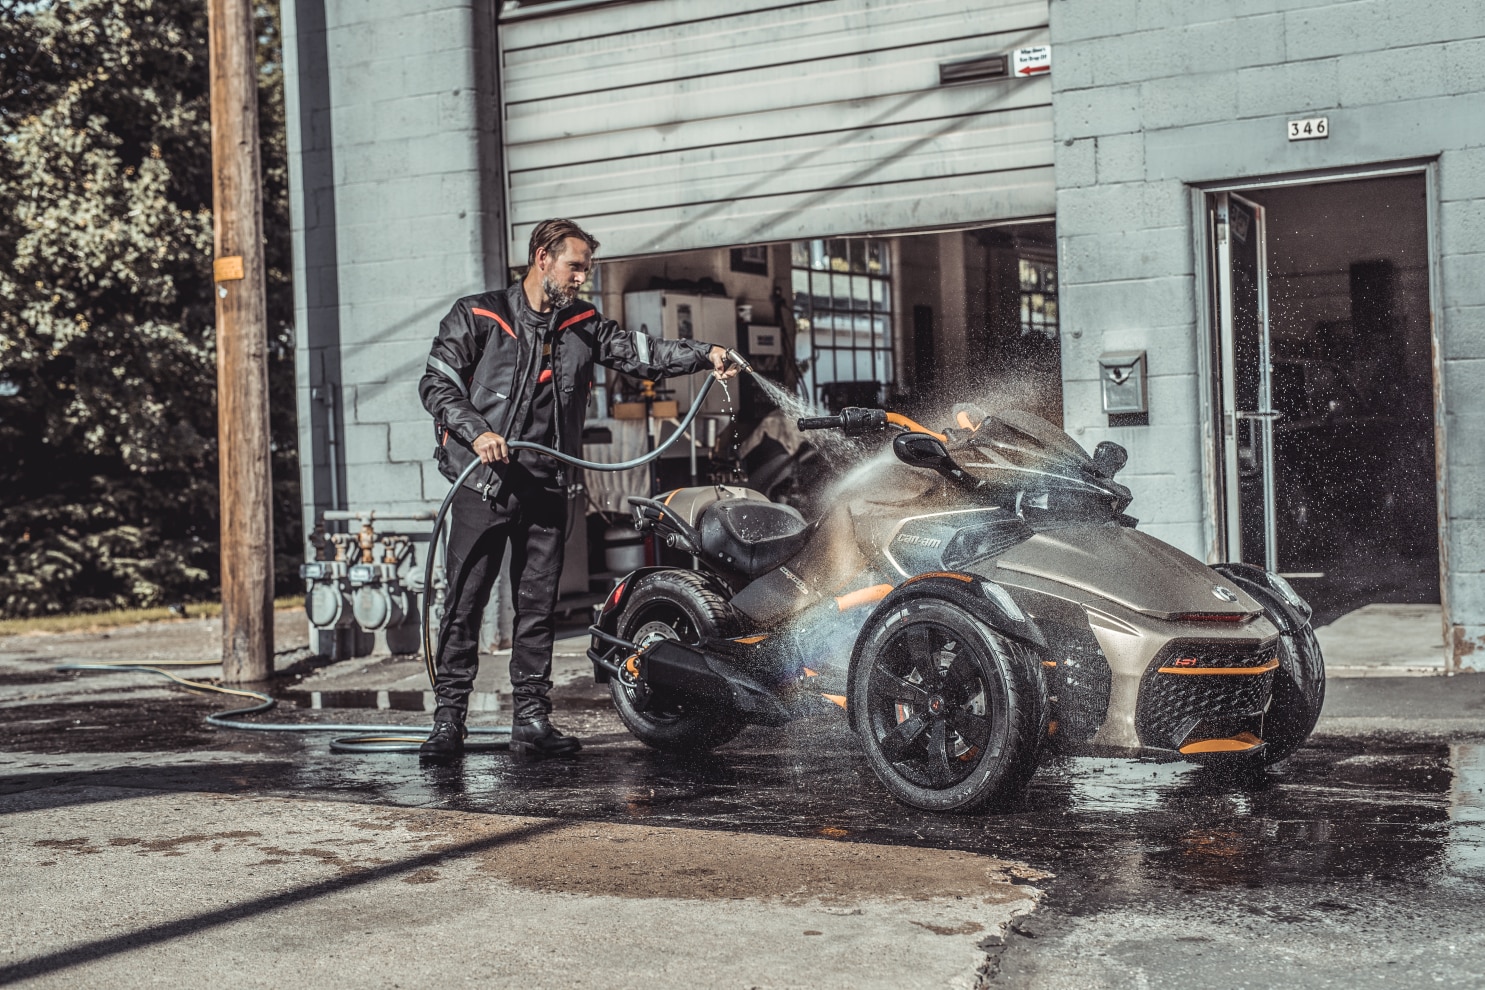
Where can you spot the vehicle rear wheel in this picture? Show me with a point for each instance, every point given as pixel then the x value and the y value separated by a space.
pixel 682 606
pixel 950 712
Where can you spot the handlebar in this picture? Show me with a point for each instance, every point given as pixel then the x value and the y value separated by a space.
pixel 853 420
pixel 819 423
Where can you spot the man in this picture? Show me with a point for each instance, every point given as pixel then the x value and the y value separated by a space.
pixel 517 364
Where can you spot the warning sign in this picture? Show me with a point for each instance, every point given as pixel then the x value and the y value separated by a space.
pixel 1031 61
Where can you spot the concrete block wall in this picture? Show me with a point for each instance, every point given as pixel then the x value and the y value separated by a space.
pixel 1151 97
pixel 395 185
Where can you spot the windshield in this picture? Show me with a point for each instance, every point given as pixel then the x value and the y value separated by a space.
pixel 1026 440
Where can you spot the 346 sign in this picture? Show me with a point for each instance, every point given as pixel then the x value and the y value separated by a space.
pixel 1309 129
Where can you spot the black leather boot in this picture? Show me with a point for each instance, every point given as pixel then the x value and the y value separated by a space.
pixel 445 742
pixel 534 736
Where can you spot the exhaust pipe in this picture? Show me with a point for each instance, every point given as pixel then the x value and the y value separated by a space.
pixel 678 669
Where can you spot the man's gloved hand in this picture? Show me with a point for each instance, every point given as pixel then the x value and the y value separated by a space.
pixel 721 367
pixel 491 447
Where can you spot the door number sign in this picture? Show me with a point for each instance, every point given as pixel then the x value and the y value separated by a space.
pixel 1309 129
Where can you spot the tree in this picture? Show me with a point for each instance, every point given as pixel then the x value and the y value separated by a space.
pixel 108 480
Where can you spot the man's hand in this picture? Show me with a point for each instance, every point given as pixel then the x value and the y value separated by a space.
pixel 491 447
pixel 720 366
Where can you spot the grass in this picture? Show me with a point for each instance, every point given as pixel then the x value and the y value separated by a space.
pixel 90 621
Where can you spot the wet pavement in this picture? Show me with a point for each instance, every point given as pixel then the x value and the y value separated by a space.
pixel 1358 863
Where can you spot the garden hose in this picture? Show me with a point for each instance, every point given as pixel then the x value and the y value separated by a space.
pixel 383 742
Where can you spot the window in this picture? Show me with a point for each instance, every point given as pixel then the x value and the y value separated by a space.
pixel 1038 299
pixel 843 305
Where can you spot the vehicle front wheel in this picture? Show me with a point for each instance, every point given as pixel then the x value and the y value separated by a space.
pixel 950 712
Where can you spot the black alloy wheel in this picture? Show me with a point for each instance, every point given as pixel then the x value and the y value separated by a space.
pixel 950 712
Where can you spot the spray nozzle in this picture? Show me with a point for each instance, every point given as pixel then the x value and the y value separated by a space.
pixel 739 360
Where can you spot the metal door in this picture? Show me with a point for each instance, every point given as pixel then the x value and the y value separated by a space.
pixel 1245 372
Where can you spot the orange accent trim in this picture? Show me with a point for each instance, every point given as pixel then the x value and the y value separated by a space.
pixel 1049 663
pixel 1250 671
pixel 933 574
pixel 503 325
pixel 445 441
pixel 1052 728
pixel 836 699
pixel 544 377
pixel 810 673
pixel 1240 743
pixel 898 419
pixel 749 640
pixel 864 596
pixel 964 424
pixel 577 319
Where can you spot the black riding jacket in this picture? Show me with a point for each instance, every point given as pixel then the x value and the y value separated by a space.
pixel 482 373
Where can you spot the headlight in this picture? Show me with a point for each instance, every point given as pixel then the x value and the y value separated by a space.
pixel 1286 590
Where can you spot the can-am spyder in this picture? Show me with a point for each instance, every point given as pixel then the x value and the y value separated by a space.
pixel 984 596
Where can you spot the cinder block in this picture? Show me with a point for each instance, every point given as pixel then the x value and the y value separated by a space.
pixel 1392 74
pixel 1463 333
pixel 1130 303
pixel 443 70
pixel 1374 25
pixel 1182 100
pixel 1464 387
pixel 364 443
pixel 1170 350
pixel 1464 65
pixel 384 485
pixel 1126 254
pixel 1462 174
pixel 411 440
pixel 1461 232
pixel 1100 209
pixel 1467 595
pixel 1163 498
pixel 1074 162
pixel 1291 88
pixel 1072 20
pixel 372 161
pixel 1091 112
pixel 387 402
pixel 453 151
pixel 376 362
pixel 1121 157
pixel 361 81
pixel 1467 542
pixel 1463 276
pixel 1157 15
pixel 407 117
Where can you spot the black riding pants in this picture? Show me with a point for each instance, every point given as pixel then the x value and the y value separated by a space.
pixel 533 521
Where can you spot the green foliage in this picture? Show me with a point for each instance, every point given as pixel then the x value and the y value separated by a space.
pixel 108 478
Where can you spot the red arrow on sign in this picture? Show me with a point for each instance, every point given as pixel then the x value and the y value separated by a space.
pixel 1028 70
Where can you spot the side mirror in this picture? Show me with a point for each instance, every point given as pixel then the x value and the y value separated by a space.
pixel 1110 458
pixel 920 450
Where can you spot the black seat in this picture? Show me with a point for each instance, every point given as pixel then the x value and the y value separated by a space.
pixel 750 536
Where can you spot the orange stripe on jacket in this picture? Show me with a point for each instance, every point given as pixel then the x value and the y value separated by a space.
pixel 577 319
pixel 503 325
pixel 544 377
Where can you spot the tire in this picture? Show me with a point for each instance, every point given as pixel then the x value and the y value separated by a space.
pixel 678 605
pixel 1298 696
pixel 974 719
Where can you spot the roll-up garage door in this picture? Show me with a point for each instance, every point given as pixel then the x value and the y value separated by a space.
pixel 670 125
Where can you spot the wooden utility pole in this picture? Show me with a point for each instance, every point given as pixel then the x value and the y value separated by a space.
pixel 242 347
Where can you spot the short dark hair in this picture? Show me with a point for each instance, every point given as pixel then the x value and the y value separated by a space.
pixel 550 234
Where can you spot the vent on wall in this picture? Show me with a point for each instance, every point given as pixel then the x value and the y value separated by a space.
pixel 972 69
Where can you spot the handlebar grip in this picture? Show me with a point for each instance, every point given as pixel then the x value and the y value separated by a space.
pixel 819 423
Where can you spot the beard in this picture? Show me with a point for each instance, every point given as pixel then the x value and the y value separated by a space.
pixel 558 295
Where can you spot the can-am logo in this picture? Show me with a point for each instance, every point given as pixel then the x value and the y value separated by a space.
pixel 1222 593
pixel 918 541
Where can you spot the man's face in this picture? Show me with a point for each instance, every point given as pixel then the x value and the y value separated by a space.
pixel 565 272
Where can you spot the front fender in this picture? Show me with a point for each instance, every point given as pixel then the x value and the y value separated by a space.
pixel 981 598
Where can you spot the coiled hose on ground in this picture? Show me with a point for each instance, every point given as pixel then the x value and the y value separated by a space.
pixel 383 742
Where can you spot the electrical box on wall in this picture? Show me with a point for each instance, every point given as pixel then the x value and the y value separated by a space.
pixel 1121 375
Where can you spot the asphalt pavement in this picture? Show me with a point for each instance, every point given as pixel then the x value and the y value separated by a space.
pixel 141 847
